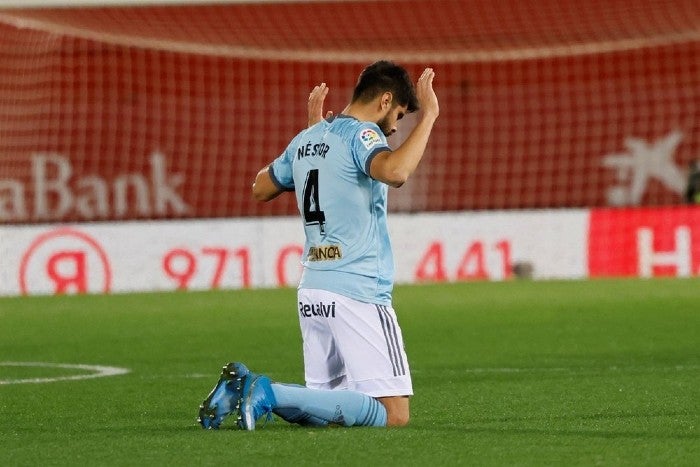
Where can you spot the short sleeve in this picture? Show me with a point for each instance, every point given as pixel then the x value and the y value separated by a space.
pixel 281 169
pixel 367 143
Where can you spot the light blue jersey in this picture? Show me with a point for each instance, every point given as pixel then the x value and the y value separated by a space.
pixel 347 249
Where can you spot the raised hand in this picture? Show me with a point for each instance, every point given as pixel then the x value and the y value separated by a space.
pixel 316 98
pixel 426 94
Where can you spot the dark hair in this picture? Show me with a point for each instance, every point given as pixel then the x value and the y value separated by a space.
pixel 383 76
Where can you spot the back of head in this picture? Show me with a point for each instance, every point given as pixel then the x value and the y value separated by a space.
pixel 383 76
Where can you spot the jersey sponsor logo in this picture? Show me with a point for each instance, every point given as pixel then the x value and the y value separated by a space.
pixel 320 309
pixel 370 138
pixel 325 253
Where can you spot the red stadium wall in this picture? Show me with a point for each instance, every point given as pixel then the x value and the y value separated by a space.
pixel 102 130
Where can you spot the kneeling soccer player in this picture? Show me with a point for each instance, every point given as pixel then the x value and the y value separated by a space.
pixel 340 169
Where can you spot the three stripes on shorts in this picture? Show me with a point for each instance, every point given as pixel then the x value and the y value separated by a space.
pixel 392 340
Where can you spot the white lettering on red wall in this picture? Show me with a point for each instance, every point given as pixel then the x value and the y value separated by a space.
pixel 53 193
pixel 644 242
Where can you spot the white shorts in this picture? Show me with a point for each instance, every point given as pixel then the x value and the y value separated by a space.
pixel 352 345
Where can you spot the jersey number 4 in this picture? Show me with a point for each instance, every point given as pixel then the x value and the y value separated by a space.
pixel 312 209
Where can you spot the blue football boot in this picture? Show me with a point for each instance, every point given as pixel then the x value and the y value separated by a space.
pixel 225 398
pixel 257 400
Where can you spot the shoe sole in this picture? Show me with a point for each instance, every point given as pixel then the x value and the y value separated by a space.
pixel 207 412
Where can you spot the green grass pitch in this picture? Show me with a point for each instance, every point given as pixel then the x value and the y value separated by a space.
pixel 603 372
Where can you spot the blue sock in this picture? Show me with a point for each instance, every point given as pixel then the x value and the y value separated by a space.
pixel 292 415
pixel 348 408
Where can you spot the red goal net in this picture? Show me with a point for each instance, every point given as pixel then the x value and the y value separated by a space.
pixel 169 111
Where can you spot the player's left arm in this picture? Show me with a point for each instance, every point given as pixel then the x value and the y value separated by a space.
pixel 315 107
pixel 264 187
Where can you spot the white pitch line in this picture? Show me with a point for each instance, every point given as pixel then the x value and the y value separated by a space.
pixel 98 372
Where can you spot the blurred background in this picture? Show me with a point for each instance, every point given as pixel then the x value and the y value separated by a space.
pixel 165 110
pixel 545 103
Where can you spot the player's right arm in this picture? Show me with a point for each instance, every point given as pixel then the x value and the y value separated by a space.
pixel 394 167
